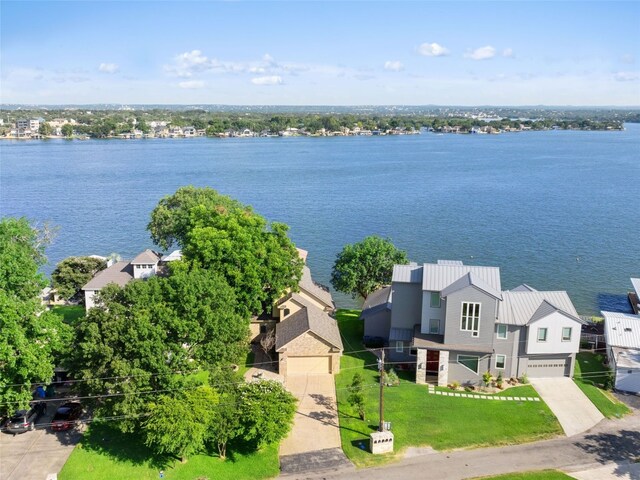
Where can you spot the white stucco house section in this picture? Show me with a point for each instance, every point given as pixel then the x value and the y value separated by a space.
pixel 554 344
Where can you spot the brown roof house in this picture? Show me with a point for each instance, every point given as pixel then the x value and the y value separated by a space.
pixel 307 336
pixel 144 265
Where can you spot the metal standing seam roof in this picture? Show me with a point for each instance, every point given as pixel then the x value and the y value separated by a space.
pixel 411 273
pixel 438 277
pixel 468 280
pixel 523 288
pixel 521 307
pixel 622 329
pixel 170 257
pixel 450 262
pixel 119 273
pixel 307 284
pixel 636 285
pixel 146 257
pixel 308 319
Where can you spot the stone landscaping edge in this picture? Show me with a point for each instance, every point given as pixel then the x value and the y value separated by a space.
pixel 433 391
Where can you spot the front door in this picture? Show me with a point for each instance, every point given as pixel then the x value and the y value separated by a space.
pixel 433 361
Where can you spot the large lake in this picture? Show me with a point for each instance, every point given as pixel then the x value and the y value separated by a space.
pixel 556 209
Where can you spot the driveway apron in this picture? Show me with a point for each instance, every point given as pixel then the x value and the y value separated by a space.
pixel 572 408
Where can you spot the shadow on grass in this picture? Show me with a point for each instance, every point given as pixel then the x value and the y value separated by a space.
pixel 122 447
pixel 361 444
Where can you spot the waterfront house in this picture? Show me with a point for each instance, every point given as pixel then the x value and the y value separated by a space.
pixel 454 323
pixel 622 336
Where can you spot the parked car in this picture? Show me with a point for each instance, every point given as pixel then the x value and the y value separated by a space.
pixel 66 416
pixel 24 420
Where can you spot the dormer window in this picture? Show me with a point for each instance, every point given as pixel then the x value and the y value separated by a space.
pixel 470 320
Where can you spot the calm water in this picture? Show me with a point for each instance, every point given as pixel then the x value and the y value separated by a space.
pixel 557 210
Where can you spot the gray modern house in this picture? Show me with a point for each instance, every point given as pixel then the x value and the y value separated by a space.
pixel 455 323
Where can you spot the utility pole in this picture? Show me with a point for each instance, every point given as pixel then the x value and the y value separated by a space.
pixel 381 369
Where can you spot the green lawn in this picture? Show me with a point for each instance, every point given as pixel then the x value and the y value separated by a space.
pixel 106 454
pixel 421 419
pixel 248 363
pixel 70 313
pixel 590 375
pixel 539 475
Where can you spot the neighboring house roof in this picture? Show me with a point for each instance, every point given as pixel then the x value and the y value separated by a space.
pixel 308 319
pixel 449 262
pixel 636 285
pixel 523 288
pixel 170 257
pixel 411 273
pixel 119 273
pixel 308 285
pixel 303 254
pixel 522 307
pixel 626 357
pixel 471 279
pixel 622 329
pixel 377 301
pixel 146 257
pixel 438 277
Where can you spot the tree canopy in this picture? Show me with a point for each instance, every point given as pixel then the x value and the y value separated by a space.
pixel 218 233
pixel 363 267
pixel 30 338
pixel 72 273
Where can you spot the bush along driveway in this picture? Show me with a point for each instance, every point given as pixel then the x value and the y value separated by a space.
pixel 422 419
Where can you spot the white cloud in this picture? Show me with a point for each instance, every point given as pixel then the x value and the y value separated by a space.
pixel 628 59
pixel 267 80
pixel 191 84
pixel 393 66
pixel 482 53
pixel 108 68
pixel 432 50
pixel 508 53
pixel 626 76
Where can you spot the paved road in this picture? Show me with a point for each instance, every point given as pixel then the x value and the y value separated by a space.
pixel 611 441
pixel 572 408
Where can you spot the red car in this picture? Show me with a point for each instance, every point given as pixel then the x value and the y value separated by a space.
pixel 66 416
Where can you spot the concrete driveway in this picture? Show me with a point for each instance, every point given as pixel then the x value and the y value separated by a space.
pixel 314 441
pixel 572 408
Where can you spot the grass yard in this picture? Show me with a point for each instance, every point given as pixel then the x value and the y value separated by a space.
pixel 70 313
pixel 248 363
pixel 539 475
pixel 420 419
pixel 106 454
pixel 590 375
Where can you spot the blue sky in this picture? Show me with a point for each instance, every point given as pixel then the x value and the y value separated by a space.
pixel 321 53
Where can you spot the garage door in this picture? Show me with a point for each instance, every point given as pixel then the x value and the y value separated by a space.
pixel 628 379
pixel 298 365
pixel 548 367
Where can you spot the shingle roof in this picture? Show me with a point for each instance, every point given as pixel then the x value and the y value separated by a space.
pixel 302 254
pixel 438 277
pixel 521 307
pixel 307 284
pixel 119 273
pixel 622 329
pixel 411 273
pixel 308 319
pixel 468 280
pixel 377 301
pixel 146 257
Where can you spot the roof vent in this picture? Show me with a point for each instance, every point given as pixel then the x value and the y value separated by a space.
pixel 627 329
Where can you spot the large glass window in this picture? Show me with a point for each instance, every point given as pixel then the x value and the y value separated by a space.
pixel 470 321
pixel 399 346
pixel 435 299
pixel 469 361
pixel 502 331
pixel 566 334
pixel 500 361
pixel 434 326
pixel 542 334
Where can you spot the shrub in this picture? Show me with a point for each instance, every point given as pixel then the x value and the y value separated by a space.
pixel 454 385
pixel 390 378
pixel 499 380
pixel 486 378
pixel 524 379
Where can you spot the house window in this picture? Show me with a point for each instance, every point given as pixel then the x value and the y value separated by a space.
pixel 286 312
pixel 435 299
pixel 502 332
pixel 399 346
pixel 434 326
pixel 500 361
pixel 263 329
pixel 542 334
pixel 413 352
pixel 566 334
pixel 470 321
pixel 469 361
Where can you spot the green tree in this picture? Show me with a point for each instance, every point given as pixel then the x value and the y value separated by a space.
pixel 363 267
pixel 216 232
pixel 178 425
pixel 31 340
pixel 266 412
pixel 356 395
pixel 45 129
pixel 72 273
pixel 67 130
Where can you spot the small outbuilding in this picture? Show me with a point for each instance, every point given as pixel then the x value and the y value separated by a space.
pixel 622 334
